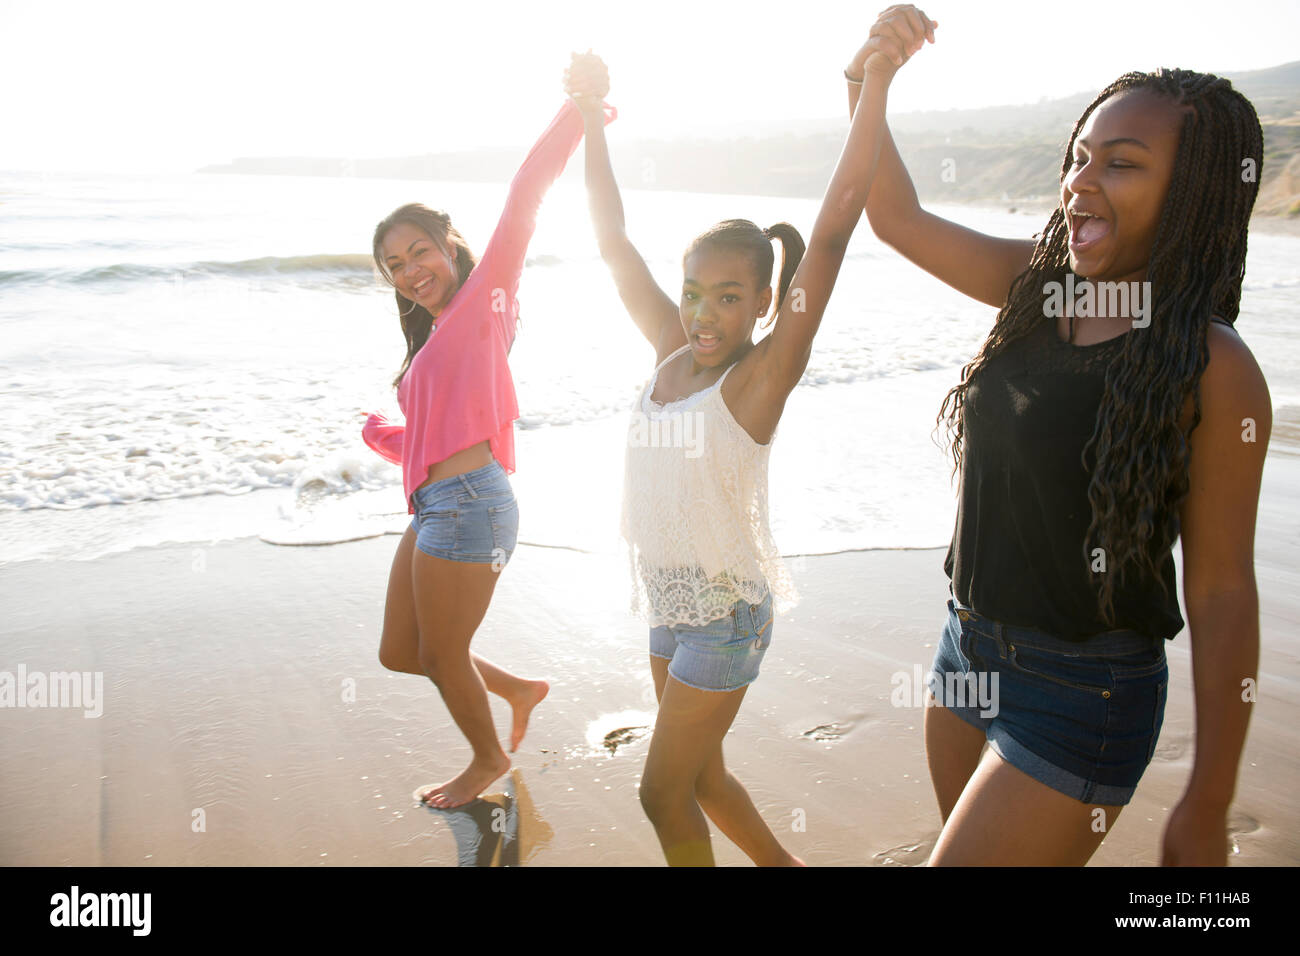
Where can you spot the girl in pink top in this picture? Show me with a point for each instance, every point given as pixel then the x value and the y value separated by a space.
pixel 458 317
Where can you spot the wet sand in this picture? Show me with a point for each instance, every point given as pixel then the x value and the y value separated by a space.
pixel 247 721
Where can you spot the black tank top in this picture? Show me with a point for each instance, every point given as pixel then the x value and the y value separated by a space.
pixel 1017 554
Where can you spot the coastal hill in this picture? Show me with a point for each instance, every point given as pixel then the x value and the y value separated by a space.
pixel 1004 154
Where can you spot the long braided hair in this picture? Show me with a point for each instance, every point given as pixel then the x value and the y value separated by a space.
pixel 415 318
pixel 1138 454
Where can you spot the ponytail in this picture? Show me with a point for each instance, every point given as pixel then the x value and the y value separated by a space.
pixel 792 250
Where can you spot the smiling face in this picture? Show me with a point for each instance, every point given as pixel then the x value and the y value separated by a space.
pixel 420 269
pixel 720 303
pixel 1115 190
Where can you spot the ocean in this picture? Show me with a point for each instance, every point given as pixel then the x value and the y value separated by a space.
pixel 189 358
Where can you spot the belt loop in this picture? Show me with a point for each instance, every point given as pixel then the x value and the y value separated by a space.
pixel 468 487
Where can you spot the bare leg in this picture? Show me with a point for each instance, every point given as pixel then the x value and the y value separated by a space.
pixel 727 802
pixel 522 695
pixel 399 647
pixel 688 732
pixel 1007 818
pixel 952 749
pixel 451 598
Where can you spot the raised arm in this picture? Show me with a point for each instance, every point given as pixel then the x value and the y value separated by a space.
pixel 979 265
pixel 503 259
pixel 384 437
pixel 654 313
pixel 783 355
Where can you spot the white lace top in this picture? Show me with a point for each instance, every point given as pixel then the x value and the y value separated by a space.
pixel 695 510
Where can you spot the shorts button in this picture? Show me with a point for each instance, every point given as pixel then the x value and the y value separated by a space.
pixel 1106 694
pixel 963 615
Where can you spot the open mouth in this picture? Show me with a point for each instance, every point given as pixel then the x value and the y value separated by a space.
pixel 1086 229
pixel 706 341
pixel 423 287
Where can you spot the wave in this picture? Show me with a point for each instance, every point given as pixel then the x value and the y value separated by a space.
pixel 1285 282
pixel 80 245
pixel 349 265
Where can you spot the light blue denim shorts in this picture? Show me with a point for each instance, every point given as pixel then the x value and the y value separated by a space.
pixel 1081 717
pixel 472 518
pixel 723 655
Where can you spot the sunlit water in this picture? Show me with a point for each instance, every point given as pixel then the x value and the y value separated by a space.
pixel 189 358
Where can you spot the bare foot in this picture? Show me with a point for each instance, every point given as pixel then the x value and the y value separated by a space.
pixel 463 788
pixel 522 705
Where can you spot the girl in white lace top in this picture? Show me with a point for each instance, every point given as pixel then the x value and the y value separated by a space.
pixel 695 507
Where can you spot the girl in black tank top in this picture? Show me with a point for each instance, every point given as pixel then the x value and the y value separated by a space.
pixel 1023 511
pixel 1085 448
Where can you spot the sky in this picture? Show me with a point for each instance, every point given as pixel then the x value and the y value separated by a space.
pixel 156 86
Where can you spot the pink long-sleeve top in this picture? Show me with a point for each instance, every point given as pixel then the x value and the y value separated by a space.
pixel 458 390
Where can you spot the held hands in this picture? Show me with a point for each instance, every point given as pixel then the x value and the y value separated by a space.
pixel 894 38
pixel 587 81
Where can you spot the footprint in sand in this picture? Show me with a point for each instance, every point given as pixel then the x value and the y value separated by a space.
pixel 1240 824
pixel 908 854
pixel 608 732
pixel 832 731
pixel 623 735
pixel 1171 748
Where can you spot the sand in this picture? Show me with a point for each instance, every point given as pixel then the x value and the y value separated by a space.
pixel 246 719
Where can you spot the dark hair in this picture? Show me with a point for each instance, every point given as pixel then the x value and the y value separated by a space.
pixel 745 236
pixel 1138 454
pixel 415 318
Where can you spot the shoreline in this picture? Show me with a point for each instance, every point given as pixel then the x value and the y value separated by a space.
pixel 375 519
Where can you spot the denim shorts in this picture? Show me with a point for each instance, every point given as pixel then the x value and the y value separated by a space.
pixel 1082 718
pixel 472 518
pixel 722 655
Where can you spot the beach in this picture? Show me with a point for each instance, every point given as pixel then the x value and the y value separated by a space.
pixel 245 718
pixel 190 522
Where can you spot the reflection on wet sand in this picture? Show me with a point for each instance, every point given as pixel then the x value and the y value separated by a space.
pixel 499 829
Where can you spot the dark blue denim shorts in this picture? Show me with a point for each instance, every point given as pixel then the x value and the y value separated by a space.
pixel 471 518
pixel 1081 717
